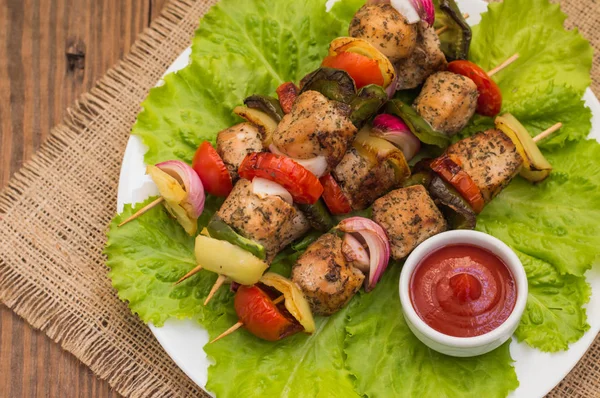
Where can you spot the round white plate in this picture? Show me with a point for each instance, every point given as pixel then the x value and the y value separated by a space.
pixel 537 372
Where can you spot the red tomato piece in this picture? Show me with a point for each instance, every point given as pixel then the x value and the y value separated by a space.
pixel 490 96
pixel 261 317
pixel 211 170
pixel 304 187
pixel 465 287
pixel 454 175
pixel 287 93
pixel 362 69
pixel 333 196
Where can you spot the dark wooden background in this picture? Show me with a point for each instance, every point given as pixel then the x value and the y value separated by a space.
pixel 51 51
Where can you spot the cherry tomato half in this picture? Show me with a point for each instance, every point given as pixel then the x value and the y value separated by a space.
pixel 287 94
pixel 362 69
pixel 453 174
pixel 212 171
pixel 261 317
pixel 304 187
pixel 333 196
pixel 490 96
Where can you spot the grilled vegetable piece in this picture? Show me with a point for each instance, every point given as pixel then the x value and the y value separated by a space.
pixel 366 104
pixel 456 39
pixel 408 216
pixel 417 125
pixel 234 143
pixel 386 29
pixel 326 279
pixel 334 198
pixel 218 229
pixel 315 127
pixel 287 93
pixel 335 84
pixel 447 101
pixel 265 123
pixel 266 104
pixel 212 171
pixel 452 173
pixel 455 208
pixel 427 58
pixel 363 181
pixel 270 221
pixel 490 158
pixel 317 215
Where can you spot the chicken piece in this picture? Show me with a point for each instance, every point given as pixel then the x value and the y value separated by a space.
pixel 361 181
pixel 427 58
pixel 326 279
pixel 408 216
pixel 270 221
pixel 315 127
pixel 386 29
pixel 490 158
pixel 447 101
pixel 234 143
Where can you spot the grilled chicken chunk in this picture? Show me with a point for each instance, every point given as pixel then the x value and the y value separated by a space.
pixel 447 101
pixel 490 158
pixel 270 221
pixel 315 127
pixel 361 181
pixel 234 143
pixel 386 29
pixel 408 216
pixel 426 59
pixel 325 277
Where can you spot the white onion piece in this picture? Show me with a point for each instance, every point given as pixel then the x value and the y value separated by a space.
pixel 377 242
pixel 182 172
pixel 394 130
pixel 406 8
pixel 425 9
pixel 355 253
pixel 263 187
pixel 316 165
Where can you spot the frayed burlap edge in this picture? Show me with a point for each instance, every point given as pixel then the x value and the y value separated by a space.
pixel 54 212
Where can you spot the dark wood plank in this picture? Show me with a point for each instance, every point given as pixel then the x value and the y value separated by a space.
pixel 51 51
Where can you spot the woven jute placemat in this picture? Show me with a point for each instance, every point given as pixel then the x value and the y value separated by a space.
pixel 54 214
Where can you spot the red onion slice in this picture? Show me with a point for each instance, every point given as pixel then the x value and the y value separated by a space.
pixel 263 187
pixel 186 176
pixel 425 9
pixel 377 242
pixel 316 165
pixel 394 130
pixel 407 9
pixel 355 253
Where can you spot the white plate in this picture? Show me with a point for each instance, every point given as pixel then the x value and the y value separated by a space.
pixel 537 372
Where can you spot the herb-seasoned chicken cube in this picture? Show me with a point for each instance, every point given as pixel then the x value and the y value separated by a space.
pixel 234 143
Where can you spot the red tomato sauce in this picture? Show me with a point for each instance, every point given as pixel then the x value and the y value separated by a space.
pixel 463 290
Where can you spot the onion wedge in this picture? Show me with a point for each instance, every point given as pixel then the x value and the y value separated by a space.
pixel 377 242
pixel 394 130
pixel 262 187
pixel 355 253
pixel 316 165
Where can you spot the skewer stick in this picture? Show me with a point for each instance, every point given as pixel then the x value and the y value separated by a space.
pixel 143 210
pixel 218 283
pixel 503 65
pixel 240 324
pixel 189 274
pixel 548 132
pixel 445 27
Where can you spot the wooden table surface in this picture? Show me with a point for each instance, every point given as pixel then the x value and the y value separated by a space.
pixel 51 51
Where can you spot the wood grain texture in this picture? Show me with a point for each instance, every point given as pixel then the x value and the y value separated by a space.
pixel 51 51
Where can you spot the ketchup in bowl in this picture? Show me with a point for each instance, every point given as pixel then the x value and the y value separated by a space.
pixel 463 290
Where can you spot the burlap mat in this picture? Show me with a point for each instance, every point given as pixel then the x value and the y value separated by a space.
pixel 54 213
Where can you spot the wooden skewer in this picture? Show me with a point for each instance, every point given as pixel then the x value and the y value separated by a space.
pixel 240 324
pixel 191 273
pixel 445 27
pixel 503 65
pixel 548 132
pixel 143 210
pixel 218 283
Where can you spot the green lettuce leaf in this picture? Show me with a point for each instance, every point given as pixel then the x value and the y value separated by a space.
pixel 239 49
pixel 147 256
pixel 547 53
pixel 388 360
pixel 554 316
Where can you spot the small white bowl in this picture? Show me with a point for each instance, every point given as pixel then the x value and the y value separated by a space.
pixel 463 346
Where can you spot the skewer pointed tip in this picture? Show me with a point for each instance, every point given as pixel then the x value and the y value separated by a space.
pixel 548 132
pixel 189 274
pixel 228 331
pixel 142 211
pixel 218 283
